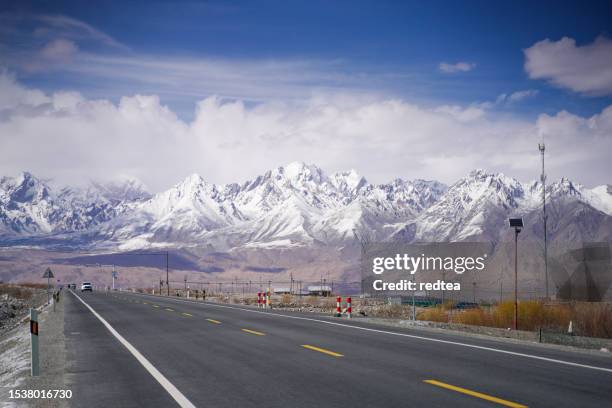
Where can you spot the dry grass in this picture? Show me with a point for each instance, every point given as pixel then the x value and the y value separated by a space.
pixel 589 319
pixel 33 285
pixel 532 315
pixel 434 314
pixel 16 291
pixel 593 318
pixel 312 300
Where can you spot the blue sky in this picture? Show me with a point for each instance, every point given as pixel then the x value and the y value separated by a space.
pixel 226 76
pixel 396 47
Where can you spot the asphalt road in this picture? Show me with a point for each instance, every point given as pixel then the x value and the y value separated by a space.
pixel 209 355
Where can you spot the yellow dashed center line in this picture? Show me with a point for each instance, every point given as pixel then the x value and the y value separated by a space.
pixel 187 314
pixel 320 350
pixel 253 332
pixel 155 306
pixel 170 310
pixel 214 321
pixel 475 394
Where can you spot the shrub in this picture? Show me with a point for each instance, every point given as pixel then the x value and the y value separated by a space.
pixel 592 319
pixel 434 314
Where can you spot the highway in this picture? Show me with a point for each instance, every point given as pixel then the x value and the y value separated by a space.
pixel 129 350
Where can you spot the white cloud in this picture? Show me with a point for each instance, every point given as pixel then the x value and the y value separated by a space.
pixel 516 96
pixel 457 67
pixel 462 114
pixel 59 50
pixel 520 95
pixel 71 138
pixel 60 25
pixel 12 94
pixel 584 69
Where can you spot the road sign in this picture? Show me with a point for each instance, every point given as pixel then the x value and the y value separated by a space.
pixel 48 273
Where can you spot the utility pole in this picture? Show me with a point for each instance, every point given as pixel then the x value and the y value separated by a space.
pixel 413 301
pixel 364 241
pixel 517 224
pixel 167 274
pixel 516 232
pixel 443 291
pixel 542 148
pixel 114 276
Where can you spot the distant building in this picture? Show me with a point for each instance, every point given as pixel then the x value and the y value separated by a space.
pixel 281 291
pixel 320 290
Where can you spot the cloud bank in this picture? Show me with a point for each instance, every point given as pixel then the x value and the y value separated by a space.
pixel 584 69
pixel 72 139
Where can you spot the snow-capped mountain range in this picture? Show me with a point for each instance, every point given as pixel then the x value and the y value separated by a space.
pixel 294 205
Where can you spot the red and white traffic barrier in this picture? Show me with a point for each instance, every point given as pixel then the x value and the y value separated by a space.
pixel 349 310
pixel 338 306
pixel 259 299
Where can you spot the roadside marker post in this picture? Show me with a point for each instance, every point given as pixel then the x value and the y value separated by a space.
pixel 34 342
pixel 48 274
pixel 338 306
pixel 349 310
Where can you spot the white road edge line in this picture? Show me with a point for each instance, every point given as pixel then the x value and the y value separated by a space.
pixel 413 336
pixel 163 381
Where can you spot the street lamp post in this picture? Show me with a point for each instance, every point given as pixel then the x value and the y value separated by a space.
pixel 542 149
pixel 517 224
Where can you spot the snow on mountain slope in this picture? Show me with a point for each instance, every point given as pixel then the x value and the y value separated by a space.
pixel 30 206
pixel 297 204
pixel 294 205
pixel 25 205
pixel 600 198
pixel 469 205
pixel 479 205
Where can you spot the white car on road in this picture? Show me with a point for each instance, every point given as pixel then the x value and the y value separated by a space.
pixel 86 286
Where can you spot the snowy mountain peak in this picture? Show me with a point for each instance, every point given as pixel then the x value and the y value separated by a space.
pixel 348 183
pixel 297 204
pixel 564 187
pixel 24 188
pixel 301 172
pixel 192 181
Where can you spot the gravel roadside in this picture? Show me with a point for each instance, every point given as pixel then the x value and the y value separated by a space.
pixel 52 359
